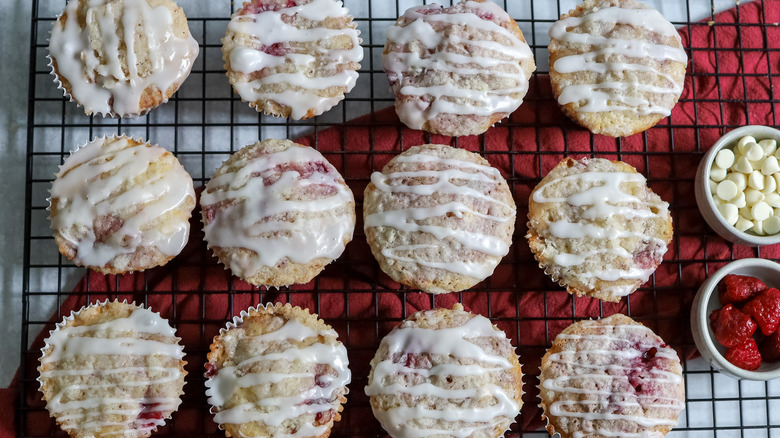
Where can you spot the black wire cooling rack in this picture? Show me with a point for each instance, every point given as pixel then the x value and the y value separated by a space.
pixel 204 122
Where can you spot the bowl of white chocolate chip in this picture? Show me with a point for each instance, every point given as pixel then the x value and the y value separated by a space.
pixel 738 186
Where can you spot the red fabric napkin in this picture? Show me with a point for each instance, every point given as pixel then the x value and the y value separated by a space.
pixel 199 296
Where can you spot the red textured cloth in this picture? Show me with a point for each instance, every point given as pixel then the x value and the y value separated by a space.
pixel 192 291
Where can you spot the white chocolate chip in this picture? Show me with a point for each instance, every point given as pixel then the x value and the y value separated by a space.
pixel 745 212
pixel 724 159
pixel 753 196
pixel 773 199
pixel 761 211
pixel 713 186
pixel 743 142
pixel 772 225
pixel 739 179
pixel 730 213
pixel 727 190
pixel 754 152
pixel 770 184
pixel 717 174
pixel 743 165
pixel 769 145
pixel 770 166
pixel 756 180
pixel 743 224
pixel 758 228
pixel 740 200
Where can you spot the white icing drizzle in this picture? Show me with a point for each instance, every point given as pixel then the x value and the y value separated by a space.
pixel 107 84
pixel 610 360
pixel 274 411
pixel 260 222
pixel 612 95
pixel 406 220
pixel 449 98
pixel 67 342
pixel 85 190
pixel 602 199
pixel 455 342
pixel 268 28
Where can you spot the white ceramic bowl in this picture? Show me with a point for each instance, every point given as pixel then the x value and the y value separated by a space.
pixel 707 300
pixel 704 198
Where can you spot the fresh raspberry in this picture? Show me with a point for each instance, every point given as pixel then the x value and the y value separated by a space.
pixel 737 289
pixel 745 355
pixel 765 309
pixel 770 347
pixel 730 326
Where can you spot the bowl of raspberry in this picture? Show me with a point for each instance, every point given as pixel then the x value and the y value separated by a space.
pixel 735 319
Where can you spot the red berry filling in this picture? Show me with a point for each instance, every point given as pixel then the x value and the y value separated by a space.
pixel 211 370
pixel 148 414
pixel 255 7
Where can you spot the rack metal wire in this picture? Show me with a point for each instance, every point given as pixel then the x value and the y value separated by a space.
pixel 205 122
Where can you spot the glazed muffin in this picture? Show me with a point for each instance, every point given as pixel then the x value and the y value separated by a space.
pixel 275 371
pixel 277 212
pixel 456 70
pixel 595 227
pixel 445 372
pixel 112 369
pixel 608 378
pixel 438 218
pixel 108 69
pixel 292 58
pixel 617 67
pixel 121 205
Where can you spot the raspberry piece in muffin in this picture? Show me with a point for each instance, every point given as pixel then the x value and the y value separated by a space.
pixel 456 70
pixel 611 377
pixel 292 58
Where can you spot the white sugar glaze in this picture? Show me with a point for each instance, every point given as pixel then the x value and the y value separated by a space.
pixel 268 28
pixel 260 222
pixel 69 342
pixel 407 219
pixel 274 411
pixel 499 58
pixel 448 342
pixel 609 357
pixel 602 198
pixel 611 95
pixel 110 85
pixel 83 193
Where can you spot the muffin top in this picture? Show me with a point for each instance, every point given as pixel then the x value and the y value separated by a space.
pixel 292 58
pixel 447 372
pixel 277 212
pixel 121 57
pixel 456 70
pixel 611 377
pixel 438 218
pixel 596 227
pixel 111 369
pixel 119 204
pixel 616 66
pixel 277 370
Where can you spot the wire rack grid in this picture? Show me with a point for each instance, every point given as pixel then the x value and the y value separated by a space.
pixel 205 122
